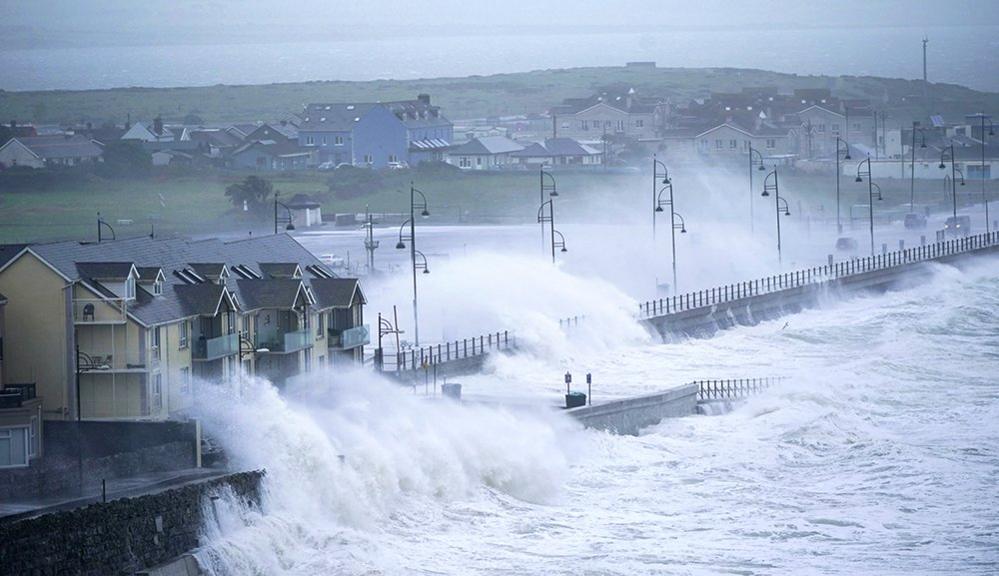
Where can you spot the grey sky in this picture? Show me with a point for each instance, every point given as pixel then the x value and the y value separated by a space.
pixel 75 22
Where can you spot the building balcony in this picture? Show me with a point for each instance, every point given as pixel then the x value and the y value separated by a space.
pixel 98 311
pixel 101 360
pixel 207 349
pixel 288 342
pixel 349 338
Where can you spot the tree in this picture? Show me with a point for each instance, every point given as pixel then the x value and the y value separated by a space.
pixel 253 193
pixel 125 158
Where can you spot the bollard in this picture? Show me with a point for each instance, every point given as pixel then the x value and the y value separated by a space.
pixel 589 388
pixel 104 491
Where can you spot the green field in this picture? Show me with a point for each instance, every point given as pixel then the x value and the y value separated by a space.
pixel 196 205
pixel 476 96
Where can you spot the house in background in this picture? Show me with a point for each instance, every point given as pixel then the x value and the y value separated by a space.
pixel 620 112
pixel 486 153
pixel 559 153
pixel 375 135
pixel 730 140
pixel 20 415
pixel 160 137
pixel 55 150
pixel 269 155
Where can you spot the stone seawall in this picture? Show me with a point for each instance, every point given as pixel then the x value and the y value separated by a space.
pixel 120 537
pixel 630 415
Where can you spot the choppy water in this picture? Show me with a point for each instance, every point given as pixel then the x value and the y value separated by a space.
pixel 880 455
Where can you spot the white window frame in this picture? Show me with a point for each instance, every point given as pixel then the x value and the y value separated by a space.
pixel 185 335
pixel 6 433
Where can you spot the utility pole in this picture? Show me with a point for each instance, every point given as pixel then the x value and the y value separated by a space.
pixel 926 98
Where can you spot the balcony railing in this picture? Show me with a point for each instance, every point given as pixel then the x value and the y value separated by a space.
pixel 288 341
pixel 98 311
pixel 214 348
pixel 103 360
pixel 349 338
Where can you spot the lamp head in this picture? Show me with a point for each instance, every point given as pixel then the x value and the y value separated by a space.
pixel 859 179
pixel 765 194
pixel 289 227
pixel 787 212
pixel 564 249
pixel 666 180
pixel 400 245
pixel 426 270
pixel 659 208
pixel 553 194
pixel 683 230
pixel 962 181
pixel 762 167
pixel 942 166
pixel 425 213
pixel 847 157
pixel 923 145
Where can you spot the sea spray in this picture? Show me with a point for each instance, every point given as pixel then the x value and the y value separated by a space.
pixel 347 452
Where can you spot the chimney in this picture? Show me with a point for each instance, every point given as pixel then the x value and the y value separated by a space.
pixel 158 126
pixel 128 121
pixel 425 98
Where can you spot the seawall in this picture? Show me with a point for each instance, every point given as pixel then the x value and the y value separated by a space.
pixel 630 415
pixel 119 537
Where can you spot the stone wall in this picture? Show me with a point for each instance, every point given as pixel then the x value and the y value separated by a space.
pixel 120 537
pixel 101 450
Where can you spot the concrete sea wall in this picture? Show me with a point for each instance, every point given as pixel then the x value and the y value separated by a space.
pixel 630 415
pixel 120 537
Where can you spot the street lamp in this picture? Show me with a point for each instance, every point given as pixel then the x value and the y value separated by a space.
pixel 756 160
pixel 550 218
pixel 912 165
pixel 660 174
pixel 983 118
pixel 100 225
pixel 424 212
pixel 870 193
pixel 84 363
pixel 560 243
pixel 660 203
pixel 948 154
pixel 839 150
pixel 286 219
pixel 385 327
pixel 245 348
pixel 781 209
pixel 548 185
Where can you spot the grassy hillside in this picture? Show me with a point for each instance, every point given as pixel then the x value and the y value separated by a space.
pixel 474 96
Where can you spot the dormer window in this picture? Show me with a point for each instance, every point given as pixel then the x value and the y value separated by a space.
pixel 158 288
pixel 130 288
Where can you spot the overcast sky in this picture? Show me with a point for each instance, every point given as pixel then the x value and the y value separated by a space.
pixel 60 22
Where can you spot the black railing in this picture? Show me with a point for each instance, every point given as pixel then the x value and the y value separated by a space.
pixel 570 322
pixel 814 276
pixel 436 354
pixel 733 389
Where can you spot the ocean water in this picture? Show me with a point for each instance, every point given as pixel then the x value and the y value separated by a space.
pixel 878 455
pixel 957 54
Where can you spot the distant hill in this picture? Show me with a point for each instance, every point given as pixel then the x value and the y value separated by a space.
pixel 474 96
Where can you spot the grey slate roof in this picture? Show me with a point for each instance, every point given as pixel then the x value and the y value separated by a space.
pixel 8 251
pixel 104 270
pixel 59 146
pixel 268 293
pixel 175 254
pixel 199 299
pixel 279 269
pixel 333 117
pixel 486 146
pixel 336 292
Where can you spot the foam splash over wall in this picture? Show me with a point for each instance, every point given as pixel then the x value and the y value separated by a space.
pixel 345 453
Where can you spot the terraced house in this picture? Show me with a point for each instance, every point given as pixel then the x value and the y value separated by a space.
pixel 131 329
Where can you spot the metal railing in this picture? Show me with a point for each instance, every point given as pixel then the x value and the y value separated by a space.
pixel 446 352
pixel 99 311
pixel 733 389
pixel 348 338
pixel 814 276
pixel 215 348
pixel 570 322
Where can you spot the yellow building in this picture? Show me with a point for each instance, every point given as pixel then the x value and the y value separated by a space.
pixel 131 329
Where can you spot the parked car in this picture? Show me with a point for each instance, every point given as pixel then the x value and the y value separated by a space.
pixel 397 165
pixel 846 244
pixel 958 225
pixel 325 166
pixel 915 221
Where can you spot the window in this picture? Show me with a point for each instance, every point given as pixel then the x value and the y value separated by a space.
pixel 639 123
pixel 13 447
pixel 157 393
pixel 184 331
pixel 771 143
pixel 733 144
pixel 368 159
pixel 822 128
pixel 620 125
pixel 308 360
pixel 157 288
pixel 464 162
pixel 130 288
pixel 309 141
pixel 185 380
pixel 33 437
pixel 156 343
pixel 856 126
pixel 719 144
pixel 338 141
pixel 325 142
pixel 478 160
pixel 245 325
pixel 835 127
pixel 321 325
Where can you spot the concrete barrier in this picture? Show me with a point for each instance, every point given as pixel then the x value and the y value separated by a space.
pixel 630 415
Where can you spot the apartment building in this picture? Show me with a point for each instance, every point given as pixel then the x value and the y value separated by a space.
pixel 131 329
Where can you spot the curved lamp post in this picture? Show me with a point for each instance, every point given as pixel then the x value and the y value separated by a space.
pixel 660 174
pixel 550 203
pixel 756 160
pixel 660 203
pixel 912 166
pixel 845 151
pixel 286 219
pixel 101 224
pixel 861 172
pixel 782 210
pixel 947 154
pixel 983 118
pixel 424 212
pixel 548 185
